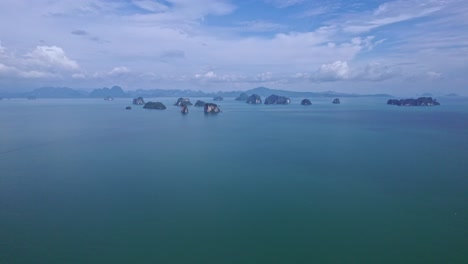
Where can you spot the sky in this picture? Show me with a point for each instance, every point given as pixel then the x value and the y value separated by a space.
pixel 373 46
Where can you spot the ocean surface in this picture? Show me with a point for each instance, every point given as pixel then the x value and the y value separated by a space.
pixel 86 181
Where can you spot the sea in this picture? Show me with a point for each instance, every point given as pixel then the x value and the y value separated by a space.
pixel 86 181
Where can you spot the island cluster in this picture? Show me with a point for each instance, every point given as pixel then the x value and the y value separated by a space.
pixel 212 108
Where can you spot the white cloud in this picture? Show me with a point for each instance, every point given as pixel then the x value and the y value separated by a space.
pixel 151 6
pixel 41 62
pixel 261 26
pixel 119 70
pixel 395 12
pixel 9 71
pixel 78 76
pixel 5 70
pixel 284 3
pixel 341 71
pixel 434 75
pixel 51 57
pixel 338 70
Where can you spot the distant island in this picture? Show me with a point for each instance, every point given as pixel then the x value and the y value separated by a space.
pixel 118 92
pixel 421 101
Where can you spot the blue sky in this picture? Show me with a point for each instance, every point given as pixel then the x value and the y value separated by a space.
pixel 374 46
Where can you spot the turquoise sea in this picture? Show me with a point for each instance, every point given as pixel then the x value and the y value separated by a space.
pixel 85 181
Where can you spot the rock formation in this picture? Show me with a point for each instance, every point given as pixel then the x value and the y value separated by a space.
pixel 199 103
pixel 306 102
pixel 242 97
pixel 254 99
pixel 138 101
pixel 183 101
pixel 154 105
pixel 211 108
pixel 276 99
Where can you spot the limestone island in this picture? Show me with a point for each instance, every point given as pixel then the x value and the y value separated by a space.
pixel 336 101
pixel 254 99
pixel 306 102
pixel 421 101
pixel 154 105
pixel 199 103
pixel 218 98
pixel 109 98
pixel 211 108
pixel 276 99
pixel 184 109
pixel 128 108
pixel 242 97
pixel 138 101
pixel 183 101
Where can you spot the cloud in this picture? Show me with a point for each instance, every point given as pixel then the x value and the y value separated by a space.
pixel 173 54
pixel 394 12
pixel 79 32
pixel 78 76
pixel 9 71
pixel 341 71
pixel 5 70
pixel 51 57
pixel 261 26
pixel 284 3
pixel 434 75
pixel 151 6
pixel 41 62
pixel 119 70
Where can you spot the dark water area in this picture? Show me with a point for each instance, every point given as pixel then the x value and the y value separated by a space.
pixel 86 181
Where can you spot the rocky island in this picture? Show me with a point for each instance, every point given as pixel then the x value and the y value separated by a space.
pixel 218 98
pixel 109 98
pixel 184 109
pixel 183 101
pixel 138 101
pixel 254 99
pixel 154 105
pixel 128 108
pixel 211 108
pixel 421 101
pixel 199 103
pixel 336 101
pixel 242 97
pixel 306 102
pixel 276 99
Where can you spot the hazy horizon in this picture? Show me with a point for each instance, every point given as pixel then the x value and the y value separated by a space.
pixel 367 47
